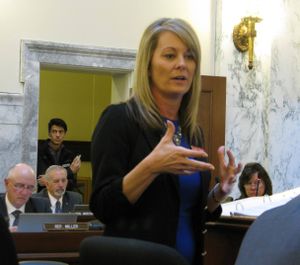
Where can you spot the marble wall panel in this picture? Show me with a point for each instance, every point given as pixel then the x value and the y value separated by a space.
pixel 262 115
pixel 11 116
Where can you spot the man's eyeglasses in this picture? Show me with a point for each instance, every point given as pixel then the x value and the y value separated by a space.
pixel 21 187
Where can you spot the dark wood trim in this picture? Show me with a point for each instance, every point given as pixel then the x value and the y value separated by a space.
pixel 58 246
pixel 212 117
pixel 223 239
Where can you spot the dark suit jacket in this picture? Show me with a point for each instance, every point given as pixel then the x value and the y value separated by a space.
pixel 45 160
pixel 70 198
pixel 118 145
pixel 33 205
pixel 274 237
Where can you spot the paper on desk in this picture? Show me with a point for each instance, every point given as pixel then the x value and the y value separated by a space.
pixel 254 206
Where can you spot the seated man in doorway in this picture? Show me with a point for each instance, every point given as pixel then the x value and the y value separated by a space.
pixel 56 183
pixel 53 152
pixel 20 183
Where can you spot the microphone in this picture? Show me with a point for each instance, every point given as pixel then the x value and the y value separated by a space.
pixel 257 186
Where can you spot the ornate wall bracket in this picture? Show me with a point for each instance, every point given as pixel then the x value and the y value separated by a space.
pixel 243 36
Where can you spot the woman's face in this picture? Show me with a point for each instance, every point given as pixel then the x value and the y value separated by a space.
pixel 172 67
pixel 255 186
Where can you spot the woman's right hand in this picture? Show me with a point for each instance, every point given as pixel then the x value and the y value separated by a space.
pixel 167 157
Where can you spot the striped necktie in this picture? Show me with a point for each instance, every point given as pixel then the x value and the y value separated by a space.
pixel 16 214
pixel 57 207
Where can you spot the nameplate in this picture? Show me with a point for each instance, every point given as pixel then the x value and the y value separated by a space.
pixel 85 213
pixel 66 226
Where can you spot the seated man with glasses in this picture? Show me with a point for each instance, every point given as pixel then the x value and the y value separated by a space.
pixel 254 181
pixel 20 183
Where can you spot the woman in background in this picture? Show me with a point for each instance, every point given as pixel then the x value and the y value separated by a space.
pixel 254 181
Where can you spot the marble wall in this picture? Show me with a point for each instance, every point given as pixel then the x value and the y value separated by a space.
pixel 263 104
pixel 11 118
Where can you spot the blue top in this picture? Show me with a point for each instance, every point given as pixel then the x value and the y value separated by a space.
pixel 189 188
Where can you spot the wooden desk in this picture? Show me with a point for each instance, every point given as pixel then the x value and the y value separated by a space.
pixel 223 239
pixel 58 246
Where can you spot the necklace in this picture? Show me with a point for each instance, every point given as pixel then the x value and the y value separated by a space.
pixel 178 133
pixel 177 136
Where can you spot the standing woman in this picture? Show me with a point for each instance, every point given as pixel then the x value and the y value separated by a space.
pixel 150 175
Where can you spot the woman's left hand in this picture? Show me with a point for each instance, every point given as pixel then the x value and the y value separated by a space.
pixel 228 171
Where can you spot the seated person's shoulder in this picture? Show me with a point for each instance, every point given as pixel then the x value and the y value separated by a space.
pixel 42 144
pixel 76 196
pixel 115 113
pixel 283 220
pixel 40 193
pixel 41 204
pixel 39 200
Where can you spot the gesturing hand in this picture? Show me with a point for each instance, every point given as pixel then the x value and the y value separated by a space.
pixel 75 165
pixel 41 180
pixel 167 157
pixel 227 171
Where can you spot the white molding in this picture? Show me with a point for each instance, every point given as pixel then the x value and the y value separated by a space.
pixel 76 56
pixel 38 54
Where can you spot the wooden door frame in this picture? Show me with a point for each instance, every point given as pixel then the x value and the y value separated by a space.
pixel 212 116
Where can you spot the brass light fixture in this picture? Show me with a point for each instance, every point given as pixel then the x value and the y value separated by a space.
pixel 243 36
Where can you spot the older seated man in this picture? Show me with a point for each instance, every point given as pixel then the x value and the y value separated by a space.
pixel 20 183
pixel 56 182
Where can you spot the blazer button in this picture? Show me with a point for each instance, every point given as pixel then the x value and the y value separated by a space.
pixel 204 231
pixel 205 208
pixel 203 253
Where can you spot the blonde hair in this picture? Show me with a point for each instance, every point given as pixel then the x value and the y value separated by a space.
pixel 142 96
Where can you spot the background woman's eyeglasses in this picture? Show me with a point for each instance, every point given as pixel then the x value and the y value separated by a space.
pixel 253 184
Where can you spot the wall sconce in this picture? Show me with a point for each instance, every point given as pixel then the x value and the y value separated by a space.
pixel 243 36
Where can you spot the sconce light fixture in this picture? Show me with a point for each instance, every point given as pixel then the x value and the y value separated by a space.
pixel 243 36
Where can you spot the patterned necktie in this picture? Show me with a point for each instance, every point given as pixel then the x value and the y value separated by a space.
pixel 16 214
pixel 57 207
